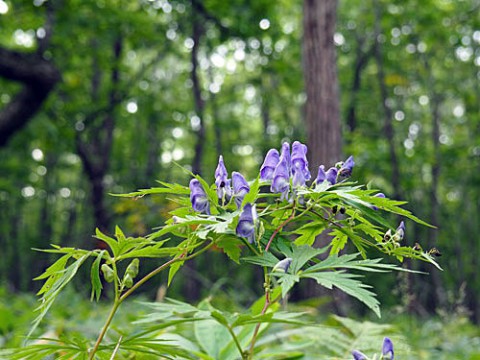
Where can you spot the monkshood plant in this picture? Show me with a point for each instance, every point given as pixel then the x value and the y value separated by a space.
pixel 272 222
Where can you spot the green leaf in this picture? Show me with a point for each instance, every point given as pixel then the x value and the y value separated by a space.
pixel 308 233
pixel 95 277
pixel 338 242
pixel 60 279
pixel 287 281
pixel 252 195
pixel 173 270
pixel 302 254
pixel 348 284
pixel 231 246
pixel 112 243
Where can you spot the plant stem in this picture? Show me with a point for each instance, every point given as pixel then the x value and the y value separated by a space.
pixel 115 306
pixel 257 328
pixel 118 300
pixel 290 218
pixel 237 344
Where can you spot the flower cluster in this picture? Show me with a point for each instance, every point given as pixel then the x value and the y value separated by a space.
pixel 227 189
pixel 387 351
pixel 281 169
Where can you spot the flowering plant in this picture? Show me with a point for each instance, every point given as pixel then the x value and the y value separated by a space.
pixel 272 221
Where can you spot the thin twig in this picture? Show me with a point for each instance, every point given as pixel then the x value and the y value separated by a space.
pixel 116 348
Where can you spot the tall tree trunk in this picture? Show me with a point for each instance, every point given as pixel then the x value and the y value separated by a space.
pixel 320 71
pixel 94 144
pixel 322 110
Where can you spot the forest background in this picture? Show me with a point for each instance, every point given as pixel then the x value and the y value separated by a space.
pixel 102 97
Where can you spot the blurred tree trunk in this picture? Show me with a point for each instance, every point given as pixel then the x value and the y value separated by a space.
pixel 38 77
pixel 322 112
pixel 94 143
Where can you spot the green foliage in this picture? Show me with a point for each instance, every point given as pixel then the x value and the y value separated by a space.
pixel 188 234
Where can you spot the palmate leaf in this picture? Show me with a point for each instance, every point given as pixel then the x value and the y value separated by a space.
pixel 60 278
pixel 309 232
pixel 231 246
pixel 349 284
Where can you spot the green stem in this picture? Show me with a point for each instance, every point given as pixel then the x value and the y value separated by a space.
pixel 115 306
pixel 118 300
pixel 290 218
pixel 237 343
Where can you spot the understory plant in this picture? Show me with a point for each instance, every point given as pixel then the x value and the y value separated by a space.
pixel 272 222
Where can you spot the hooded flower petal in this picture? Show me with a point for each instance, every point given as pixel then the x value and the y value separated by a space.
pixel 222 182
pixel 281 179
pixel 357 355
pixel 387 349
pixel 269 164
pixel 198 197
pixel 331 175
pixel 240 188
pixel 300 170
pixel 321 175
pixel 285 154
pixel 283 265
pixel 246 223
pixel 400 232
pixel 347 167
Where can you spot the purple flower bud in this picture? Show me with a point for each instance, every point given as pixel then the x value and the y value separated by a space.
pixel 198 197
pixel 299 164
pixel 321 175
pixel 400 232
pixel 347 167
pixel 286 155
pixel 240 188
pixel 379 195
pixel 283 265
pixel 222 182
pixel 357 355
pixel 246 223
pixel 281 179
pixel 269 165
pixel 331 175
pixel 387 349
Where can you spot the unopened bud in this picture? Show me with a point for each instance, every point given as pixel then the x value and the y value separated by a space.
pixel 282 266
pixel 127 281
pixel 132 269
pixel 108 273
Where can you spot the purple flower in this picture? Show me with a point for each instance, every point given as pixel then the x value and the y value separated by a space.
pixel 286 155
pixel 299 164
pixel 283 265
pixel 198 197
pixel 224 192
pixel 357 355
pixel 240 188
pixel 281 179
pixel 379 195
pixel 331 175
pixel 387 349
pixel 400 232
pixel 246 223
pixel 269 164
pixel 347 167
pixel 321 175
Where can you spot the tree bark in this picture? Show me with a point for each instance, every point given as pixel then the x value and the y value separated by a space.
pixel 94 143
pixel 322 108
pixel 38 77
